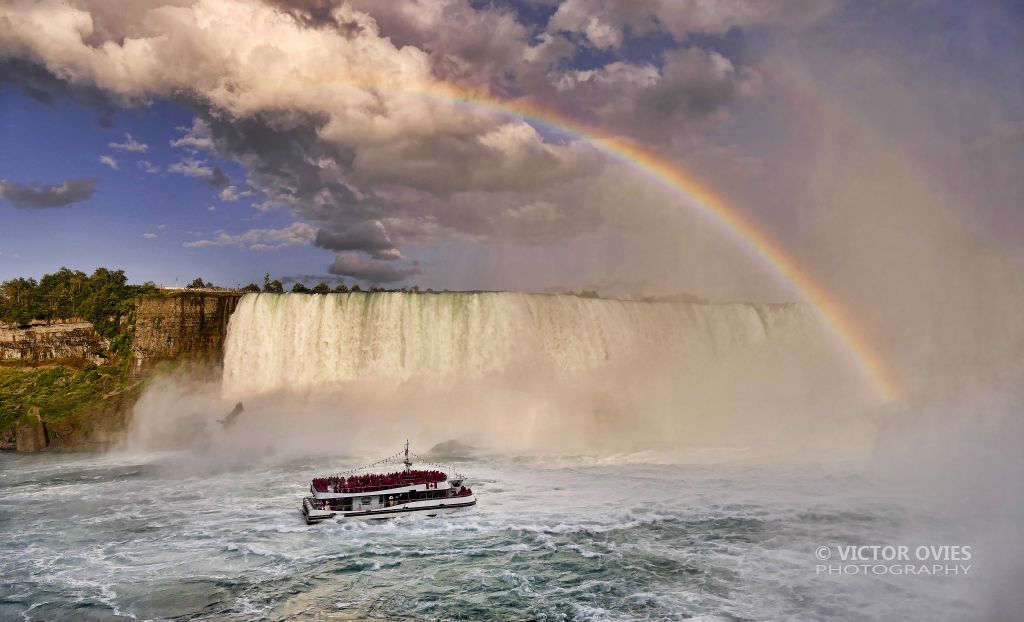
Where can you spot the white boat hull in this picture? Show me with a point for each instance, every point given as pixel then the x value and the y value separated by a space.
pixel 395 513
pixel 430 508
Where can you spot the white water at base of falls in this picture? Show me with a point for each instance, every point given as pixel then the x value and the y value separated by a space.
pixel 308 342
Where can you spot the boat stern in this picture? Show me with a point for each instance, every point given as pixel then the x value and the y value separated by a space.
pixel 314 512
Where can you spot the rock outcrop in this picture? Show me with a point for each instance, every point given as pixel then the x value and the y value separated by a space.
pixel 184 327
pixel 53 342
pixel 31 436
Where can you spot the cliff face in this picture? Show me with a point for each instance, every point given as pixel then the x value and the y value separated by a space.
pixel 190 327
pixel 51 400
pixel 64 341
pixel 30 436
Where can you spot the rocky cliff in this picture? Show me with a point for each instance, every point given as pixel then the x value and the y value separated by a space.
pixel 31 435
pixel 180 327
pixel 63 386
pixel 67 341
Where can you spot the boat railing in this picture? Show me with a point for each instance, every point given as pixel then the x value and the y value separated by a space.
pixel 358 489
pixel 375 483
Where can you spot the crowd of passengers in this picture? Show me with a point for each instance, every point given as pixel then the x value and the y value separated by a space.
pixel 358 483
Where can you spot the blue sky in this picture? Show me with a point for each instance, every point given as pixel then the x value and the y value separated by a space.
pixel 46 143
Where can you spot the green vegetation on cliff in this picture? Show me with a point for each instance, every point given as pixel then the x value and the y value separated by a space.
pixel 59 389
pixel 73 403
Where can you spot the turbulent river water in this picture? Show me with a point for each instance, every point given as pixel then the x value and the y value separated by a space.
pixel 168 537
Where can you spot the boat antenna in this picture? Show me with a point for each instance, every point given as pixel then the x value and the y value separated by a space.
pixel 408 463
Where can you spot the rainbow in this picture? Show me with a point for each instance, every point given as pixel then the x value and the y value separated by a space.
pixel 693 194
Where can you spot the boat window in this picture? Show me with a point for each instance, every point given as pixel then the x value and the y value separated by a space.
pixel 365 500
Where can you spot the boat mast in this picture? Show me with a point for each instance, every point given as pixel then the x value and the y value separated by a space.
pixel 408 463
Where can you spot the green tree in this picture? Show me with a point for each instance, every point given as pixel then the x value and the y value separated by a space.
pixel 341 288
pixel 104 300
pixel 196 284
pixel 356 288
pixel 322 288
pixel 101 298
pixel 60 295
pixel 251 288
pixel 300 288
pixel 18 300
pixel 272 287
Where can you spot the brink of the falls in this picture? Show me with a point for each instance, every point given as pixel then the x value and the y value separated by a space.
pixel 309 342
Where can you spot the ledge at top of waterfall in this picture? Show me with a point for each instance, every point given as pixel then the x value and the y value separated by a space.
pixel 365 494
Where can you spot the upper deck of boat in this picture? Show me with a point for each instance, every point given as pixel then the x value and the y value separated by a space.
pixel 377 482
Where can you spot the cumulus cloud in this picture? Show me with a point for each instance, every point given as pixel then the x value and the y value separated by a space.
pixel 261 239
pixel 148 167
pixel 195 138
pixel 191 167
pixel 129 144
pixel 691 87
pixel 363 89
pixel 481 43
pixel 350 114
pixel 109 161
pixel 231 194
pixel 149 236
pixel 357 266
pixel 41 196
pixel 600 29
pixel 606 24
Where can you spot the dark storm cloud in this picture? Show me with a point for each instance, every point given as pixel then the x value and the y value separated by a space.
pixel 218 178
pixel 369 237
pixel 40 196
pixel 359 267
pixel 317 13
pixel 312 279
pixel 286 161
pixel 695 83
pixel 38 83
pixel 293 167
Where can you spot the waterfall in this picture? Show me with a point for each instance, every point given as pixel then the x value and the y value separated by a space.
pixel 309 342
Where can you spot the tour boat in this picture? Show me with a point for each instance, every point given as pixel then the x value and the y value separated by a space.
pixel 358 495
